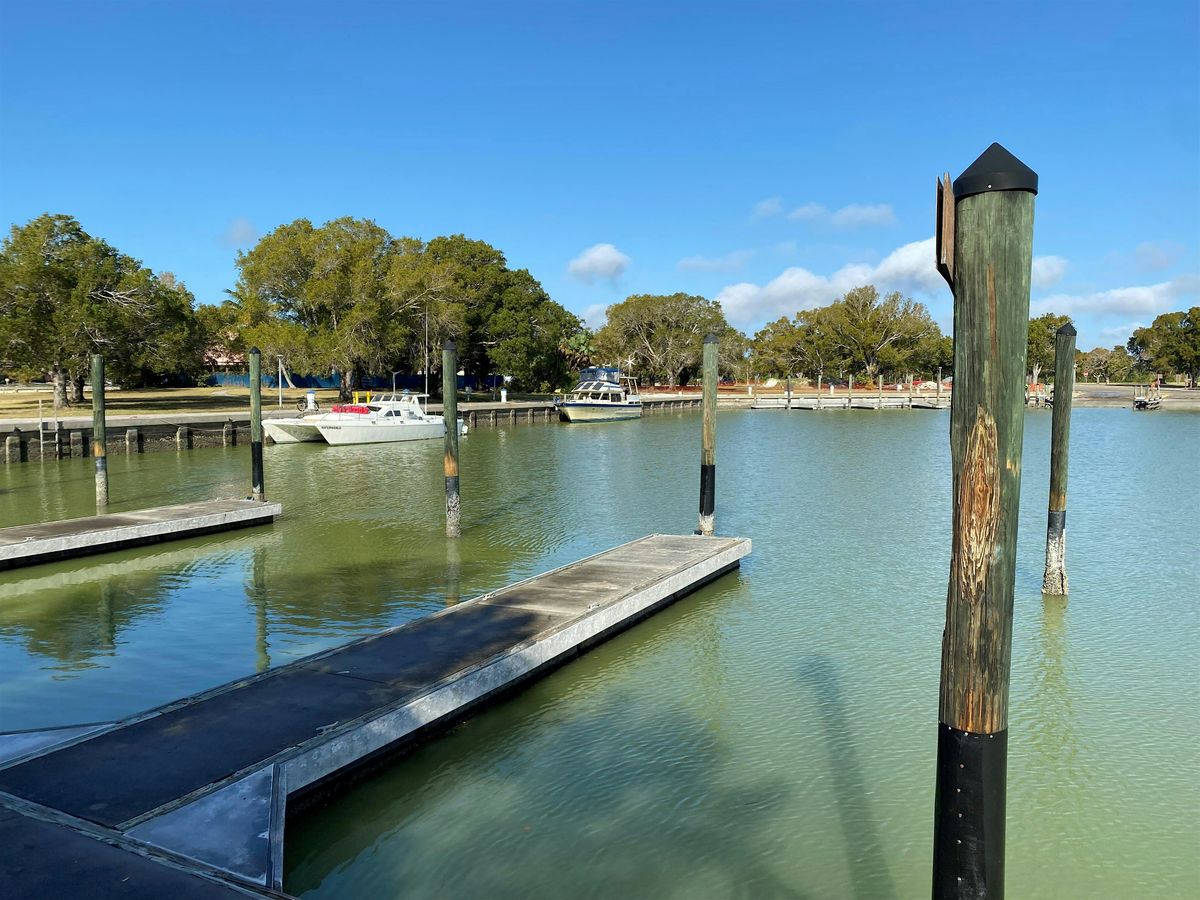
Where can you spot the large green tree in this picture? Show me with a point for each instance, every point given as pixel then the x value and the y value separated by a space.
pixel 65 294
pixel 878 334
pixel 1171 343
pixel 659 336
pixel 1040 348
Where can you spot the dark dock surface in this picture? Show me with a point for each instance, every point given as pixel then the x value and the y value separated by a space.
pixel 209 777
pixel 27 545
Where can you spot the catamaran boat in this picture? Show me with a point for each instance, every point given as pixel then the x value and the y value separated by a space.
pixel 602 395
pixel 384 419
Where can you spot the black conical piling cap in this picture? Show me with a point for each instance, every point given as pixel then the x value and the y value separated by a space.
pixel 710 338
pixel 1068 328
pixel 995 170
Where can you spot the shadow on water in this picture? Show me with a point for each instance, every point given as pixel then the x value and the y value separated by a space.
pixel 868 871
pixel 511 844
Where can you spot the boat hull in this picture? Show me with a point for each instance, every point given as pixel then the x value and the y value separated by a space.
pixel 599 412
pixel 340 433
pixel 291 431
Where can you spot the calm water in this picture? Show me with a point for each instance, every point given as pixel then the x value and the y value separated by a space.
pixel 771 736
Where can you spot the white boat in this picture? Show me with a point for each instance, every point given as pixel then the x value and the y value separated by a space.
pixel 604 399
pixel 384 419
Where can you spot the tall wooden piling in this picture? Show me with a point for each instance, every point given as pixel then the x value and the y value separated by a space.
pixel 708 440
pixel 450 414
pixel 1055 579
pixel 788 404
pixel 989 270
pixel 256 434
pixel 879 404
pixel 99 438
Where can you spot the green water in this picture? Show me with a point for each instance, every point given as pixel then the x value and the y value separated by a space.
pixel 771 736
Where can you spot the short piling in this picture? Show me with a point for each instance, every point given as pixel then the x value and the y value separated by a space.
pixel 256 430
pixel 992 260
pixel 99 438
pixel 879 404
pixel 788 404
pixel 708 440
pixel 450 414
pixel 1054 581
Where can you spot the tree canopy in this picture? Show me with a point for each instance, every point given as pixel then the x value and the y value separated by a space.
pixel 65 295
pixel 347 296
pixel 859 334
pixel 1170 344
pixel 659 336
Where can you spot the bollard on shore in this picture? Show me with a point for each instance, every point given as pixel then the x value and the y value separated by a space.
pixel 256 432
pixel 984 250
pixel 708 440
pixel 99 437
pixel 1054 581
pixel 450 415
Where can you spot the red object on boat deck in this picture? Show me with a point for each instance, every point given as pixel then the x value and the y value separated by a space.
pixel 351 408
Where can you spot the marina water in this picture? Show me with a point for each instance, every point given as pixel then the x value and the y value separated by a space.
pixel 770 736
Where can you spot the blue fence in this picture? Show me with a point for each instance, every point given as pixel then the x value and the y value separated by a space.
pixel 373 382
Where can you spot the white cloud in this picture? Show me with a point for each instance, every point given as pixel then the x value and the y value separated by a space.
pixel 1154 256
pixel 600 262
pixel 766 209
pixel 910 267
pixel 596 315
pixel 1048 271
pixel 727 263
pixel 1121 333
pixel 239 233
pixel 1143 300
pixel 809 212
pixel 855 215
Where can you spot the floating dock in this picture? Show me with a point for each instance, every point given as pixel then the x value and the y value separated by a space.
pixel 207 780
pixel 27 545
pixel 867 401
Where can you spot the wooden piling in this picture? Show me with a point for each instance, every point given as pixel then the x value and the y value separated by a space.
pixel 1054 581
pixel 879 405
pixel 99 438
pixel 788 404
pixel 993 239
pixel 939 387
pixel 256 430
pixel 708 440
pixel 450 413
pixel 850 392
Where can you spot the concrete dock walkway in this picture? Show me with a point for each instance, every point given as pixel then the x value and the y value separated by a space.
pixel 209 777
pixel 27 545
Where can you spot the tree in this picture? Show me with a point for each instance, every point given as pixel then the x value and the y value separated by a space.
pixel 525 333
pixel 1110 365
pixel 877 334
pixel 65 295
pixel 323 296
pixel 1040 348
pixel 1171 343
pixel 660 334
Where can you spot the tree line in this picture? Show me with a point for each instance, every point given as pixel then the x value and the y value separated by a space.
pixel 349 297
pixel 345 297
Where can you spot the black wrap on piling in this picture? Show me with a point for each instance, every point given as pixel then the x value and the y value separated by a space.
pixel 968 838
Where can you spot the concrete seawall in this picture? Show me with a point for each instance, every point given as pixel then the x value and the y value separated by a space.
pixel 22 440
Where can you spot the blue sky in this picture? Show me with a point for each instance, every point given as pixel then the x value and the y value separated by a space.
pixel 769 155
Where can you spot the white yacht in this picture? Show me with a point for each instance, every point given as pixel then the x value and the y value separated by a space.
pixel 384 419
pixel 602 395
